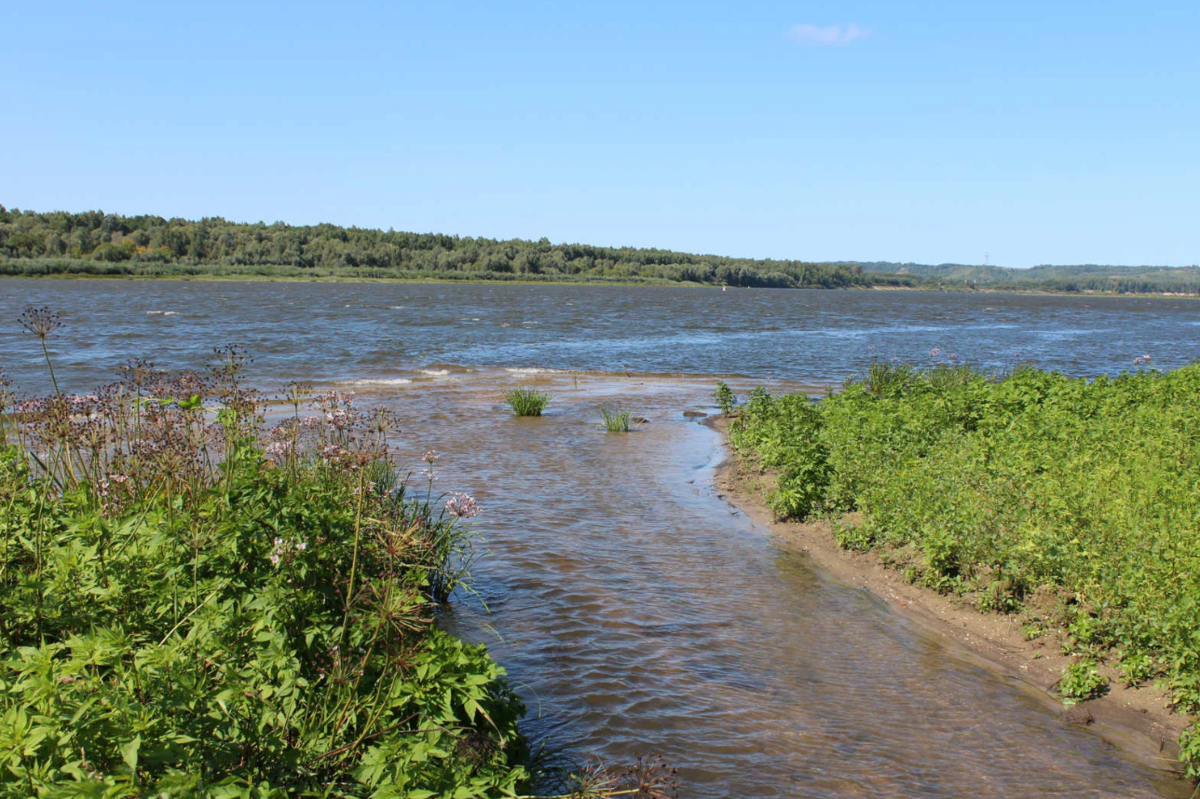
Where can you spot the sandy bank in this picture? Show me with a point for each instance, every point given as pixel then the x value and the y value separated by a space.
pixel 1137 720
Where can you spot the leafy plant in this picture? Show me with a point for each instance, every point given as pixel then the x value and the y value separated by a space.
pixel 1033 630
pixel 726 399
pixel 1189 751
pixel 526 401
pixel 1138 667
pixel 1081 680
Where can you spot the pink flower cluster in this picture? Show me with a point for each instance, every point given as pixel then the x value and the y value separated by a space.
pixel 108 486
pixel 283 548
pixel 338 408
pixel 278 450
pixel 463 506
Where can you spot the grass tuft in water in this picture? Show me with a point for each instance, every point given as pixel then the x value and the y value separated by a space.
pixel 527 401
pixel 616 420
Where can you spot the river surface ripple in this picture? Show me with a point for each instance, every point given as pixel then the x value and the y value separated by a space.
pixel 635 611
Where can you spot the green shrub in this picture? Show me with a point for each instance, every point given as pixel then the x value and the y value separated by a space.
pixel 195 604
pixel 726 399
pixel 1189 752
pixel 1081 680
pixel 526 401
pixel 998 485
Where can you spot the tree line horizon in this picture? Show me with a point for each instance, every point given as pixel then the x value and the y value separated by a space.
pixel 36 243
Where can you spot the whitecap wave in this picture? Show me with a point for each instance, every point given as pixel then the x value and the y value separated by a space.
pixel 533 370
pixel 435 372
pixel 378 381
pixel 162 313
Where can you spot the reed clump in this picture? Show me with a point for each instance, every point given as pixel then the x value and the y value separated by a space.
pixel 526 401
pixel 1003 488
pixel 616 420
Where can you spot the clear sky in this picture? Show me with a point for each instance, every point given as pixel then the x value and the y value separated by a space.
pixel 1037 132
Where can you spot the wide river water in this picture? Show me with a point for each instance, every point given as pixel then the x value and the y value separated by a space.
pixel 635 611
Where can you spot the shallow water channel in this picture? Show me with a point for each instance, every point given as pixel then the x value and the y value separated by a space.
pixel 635 611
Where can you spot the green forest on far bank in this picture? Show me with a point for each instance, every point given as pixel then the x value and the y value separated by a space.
pixel 94 243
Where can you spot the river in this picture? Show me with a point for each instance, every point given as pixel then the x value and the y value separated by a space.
pixel 634 610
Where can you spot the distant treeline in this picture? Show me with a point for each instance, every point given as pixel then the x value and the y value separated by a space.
pixel 94 242
pixel 1072 278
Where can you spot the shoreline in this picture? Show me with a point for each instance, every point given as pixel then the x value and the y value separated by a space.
pixel 1136 721
pixel 647 283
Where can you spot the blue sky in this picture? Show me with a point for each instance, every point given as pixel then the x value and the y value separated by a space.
pixel 1048 132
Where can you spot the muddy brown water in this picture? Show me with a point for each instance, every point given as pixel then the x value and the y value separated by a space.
pixel 634 610
pixel 637 612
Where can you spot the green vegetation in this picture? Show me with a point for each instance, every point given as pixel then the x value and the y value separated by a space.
pixel 726 399
pixel 1071 501
pixel 616 420
pixel 95 243
pixel 526 401
pixel 1081 680
pixel 196 603
pixel 34 244
pixel 1064 279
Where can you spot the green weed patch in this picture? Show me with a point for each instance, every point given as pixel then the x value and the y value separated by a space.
pixel 1007 486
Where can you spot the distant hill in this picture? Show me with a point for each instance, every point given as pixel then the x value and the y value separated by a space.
pixel 1078 277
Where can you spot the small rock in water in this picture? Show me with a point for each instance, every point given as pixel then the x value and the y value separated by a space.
pixel 640 420
pixel 694 414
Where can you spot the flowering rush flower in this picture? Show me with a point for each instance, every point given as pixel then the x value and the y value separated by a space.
pixel 463 506
pixel 277 450
pixel 430 456
pixel 284 547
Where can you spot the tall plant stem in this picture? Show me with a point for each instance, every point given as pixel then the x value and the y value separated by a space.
pixel 362 477
pixel 46 356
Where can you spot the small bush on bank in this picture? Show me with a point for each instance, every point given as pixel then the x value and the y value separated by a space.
pixel 726 399
pixel 1081 680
